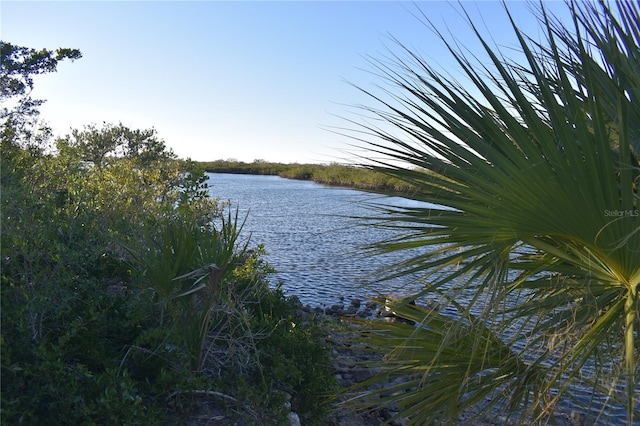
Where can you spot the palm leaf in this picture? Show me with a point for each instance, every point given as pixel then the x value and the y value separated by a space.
pixel 534 177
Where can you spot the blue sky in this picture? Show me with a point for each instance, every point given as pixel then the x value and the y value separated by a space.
pixel 244 80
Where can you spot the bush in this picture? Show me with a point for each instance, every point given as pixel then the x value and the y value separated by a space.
pixel 116 285
pixel 96 333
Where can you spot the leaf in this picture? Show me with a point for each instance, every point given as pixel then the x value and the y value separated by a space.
pixel 531 229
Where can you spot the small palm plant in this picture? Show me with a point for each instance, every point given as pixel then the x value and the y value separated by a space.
pixel 532 231
pixel 189 267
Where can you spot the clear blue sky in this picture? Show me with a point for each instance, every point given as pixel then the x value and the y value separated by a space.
pixel 243 80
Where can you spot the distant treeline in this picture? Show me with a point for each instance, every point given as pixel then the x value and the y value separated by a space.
pixel 332 174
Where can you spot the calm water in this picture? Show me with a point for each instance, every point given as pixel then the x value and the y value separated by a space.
pixel 314 245
pixel 309 236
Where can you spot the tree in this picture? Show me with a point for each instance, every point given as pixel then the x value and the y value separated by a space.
pixel 19 66
pixel 97 145
pixel 535 238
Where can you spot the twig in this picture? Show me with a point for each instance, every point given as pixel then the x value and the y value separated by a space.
pixel 202 392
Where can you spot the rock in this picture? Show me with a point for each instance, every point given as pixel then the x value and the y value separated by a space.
pixel 294 419
pixel 362 374
pixel 402 421
pixel 295 300
pixel 347 381
pixel 366 313
pixel 335 310
pixel 351 311
pixel 304 314
pixel 398 298
pixel 394 298
pixel 342 369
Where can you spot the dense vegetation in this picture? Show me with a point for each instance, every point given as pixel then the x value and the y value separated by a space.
pixel 129 296
pixel 332 174
pixel 537 253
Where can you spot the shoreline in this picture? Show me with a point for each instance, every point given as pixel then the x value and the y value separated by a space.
pixel 354 364
pixel 341 176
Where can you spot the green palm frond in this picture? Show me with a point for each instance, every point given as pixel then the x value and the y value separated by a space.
pixel 534 174
pixel 442 367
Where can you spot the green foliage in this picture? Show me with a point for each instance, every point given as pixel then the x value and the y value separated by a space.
pixel 295 360
pixel 91 337
pixel 98 146
pixel 84 331
pixel 18 65
pixel 332 174
pixel 170 262
pixel 536 171
pixel 64 330
pixel 425 365
pixel 235 329
pixel 239 167
pixel 96 333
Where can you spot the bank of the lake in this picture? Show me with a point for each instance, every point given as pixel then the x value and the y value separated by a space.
pixel 332 174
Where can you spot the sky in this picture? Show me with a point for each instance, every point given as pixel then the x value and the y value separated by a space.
pixel 240 80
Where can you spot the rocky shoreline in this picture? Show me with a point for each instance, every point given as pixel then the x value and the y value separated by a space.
pixel 352 366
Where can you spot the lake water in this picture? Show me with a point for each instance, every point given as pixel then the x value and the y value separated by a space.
pixel 310 235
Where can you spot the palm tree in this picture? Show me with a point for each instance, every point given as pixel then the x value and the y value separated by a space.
pixel 534 243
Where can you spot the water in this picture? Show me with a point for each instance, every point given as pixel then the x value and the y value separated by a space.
pixel 315 245
pixel 310 235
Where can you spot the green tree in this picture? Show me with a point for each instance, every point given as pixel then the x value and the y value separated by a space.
pixel 18 67
pixel 534 240
pixel 97 145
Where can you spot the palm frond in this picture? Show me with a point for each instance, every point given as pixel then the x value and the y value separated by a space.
pixel 534 172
